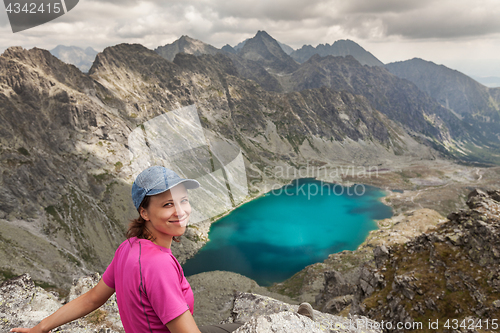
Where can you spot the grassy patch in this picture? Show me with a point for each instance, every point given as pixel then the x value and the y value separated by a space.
pixel 118 166
pixel 292 286
pixel 52 211
pixel 23 151
pixel 102 176
pixel 6 274
pixel 96 317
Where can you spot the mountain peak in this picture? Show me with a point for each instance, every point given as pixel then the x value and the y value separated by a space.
pixel 185 44
pixel 263 34
pixel 267 51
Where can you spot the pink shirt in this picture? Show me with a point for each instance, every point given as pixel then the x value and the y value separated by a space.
pixel 150 286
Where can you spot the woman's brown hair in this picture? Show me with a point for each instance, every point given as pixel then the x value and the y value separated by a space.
pixel 137 227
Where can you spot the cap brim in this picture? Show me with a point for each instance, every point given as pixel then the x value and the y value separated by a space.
pixel 190 184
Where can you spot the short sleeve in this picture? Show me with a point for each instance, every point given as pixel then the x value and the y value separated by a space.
pixel 163 288
pixel 109 275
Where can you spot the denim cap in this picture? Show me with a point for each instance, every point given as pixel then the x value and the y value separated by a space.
pixel 156 180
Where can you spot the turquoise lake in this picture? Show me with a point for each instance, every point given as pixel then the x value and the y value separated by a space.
pixel 274 236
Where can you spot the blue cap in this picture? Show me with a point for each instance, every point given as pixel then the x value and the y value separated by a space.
pixel 156 180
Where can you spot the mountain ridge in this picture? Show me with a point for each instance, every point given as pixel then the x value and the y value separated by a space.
pixel 471 101
pixel 343 47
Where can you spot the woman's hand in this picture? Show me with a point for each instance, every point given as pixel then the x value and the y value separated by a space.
pixel 35 329
pixel 75 309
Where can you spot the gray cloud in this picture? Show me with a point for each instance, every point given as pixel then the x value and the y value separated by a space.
pixel 381 6
pixel 295 22
pixel 445 22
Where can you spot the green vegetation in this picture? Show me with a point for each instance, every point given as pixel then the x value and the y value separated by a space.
pixel 118 166
pixel 292 286
pixel 23 151
pixel 96 317
pixel 102 176
pixel 6 274
pixel 52 211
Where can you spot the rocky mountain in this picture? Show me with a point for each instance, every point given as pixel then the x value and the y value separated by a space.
pixel 75 55
pixel 399 99
pixel 238 46
pixel 471 101
pixel 287 49
pixel 450 273
pixel 387 93
pixel 340 48
pixel 228 48
pixel 185 44
pixel 267 52
pixel 65 154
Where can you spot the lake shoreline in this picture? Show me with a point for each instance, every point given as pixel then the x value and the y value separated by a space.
pixel 299 245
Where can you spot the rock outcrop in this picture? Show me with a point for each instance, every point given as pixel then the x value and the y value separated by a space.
pixel 451 272
pixel 264 314
pixel 22 304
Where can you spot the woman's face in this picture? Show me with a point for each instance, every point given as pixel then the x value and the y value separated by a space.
pixel 167 214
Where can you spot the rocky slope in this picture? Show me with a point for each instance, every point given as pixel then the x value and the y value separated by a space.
pixel 399 99
pixel 450 272
pixel 470 100
pixel 340 48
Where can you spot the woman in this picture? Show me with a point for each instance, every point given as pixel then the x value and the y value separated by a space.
pixel 151 291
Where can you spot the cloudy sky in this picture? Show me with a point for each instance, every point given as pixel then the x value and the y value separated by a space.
pixel 461 34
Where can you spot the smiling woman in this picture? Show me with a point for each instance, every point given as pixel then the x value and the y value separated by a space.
pixel 152 292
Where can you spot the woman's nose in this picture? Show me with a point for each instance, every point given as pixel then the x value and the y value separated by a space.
pixel 179 210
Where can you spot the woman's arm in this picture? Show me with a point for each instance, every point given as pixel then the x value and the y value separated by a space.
pixel 183 324
pixel 75 309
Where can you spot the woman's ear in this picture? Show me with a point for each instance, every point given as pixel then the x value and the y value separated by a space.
pixel 143 213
